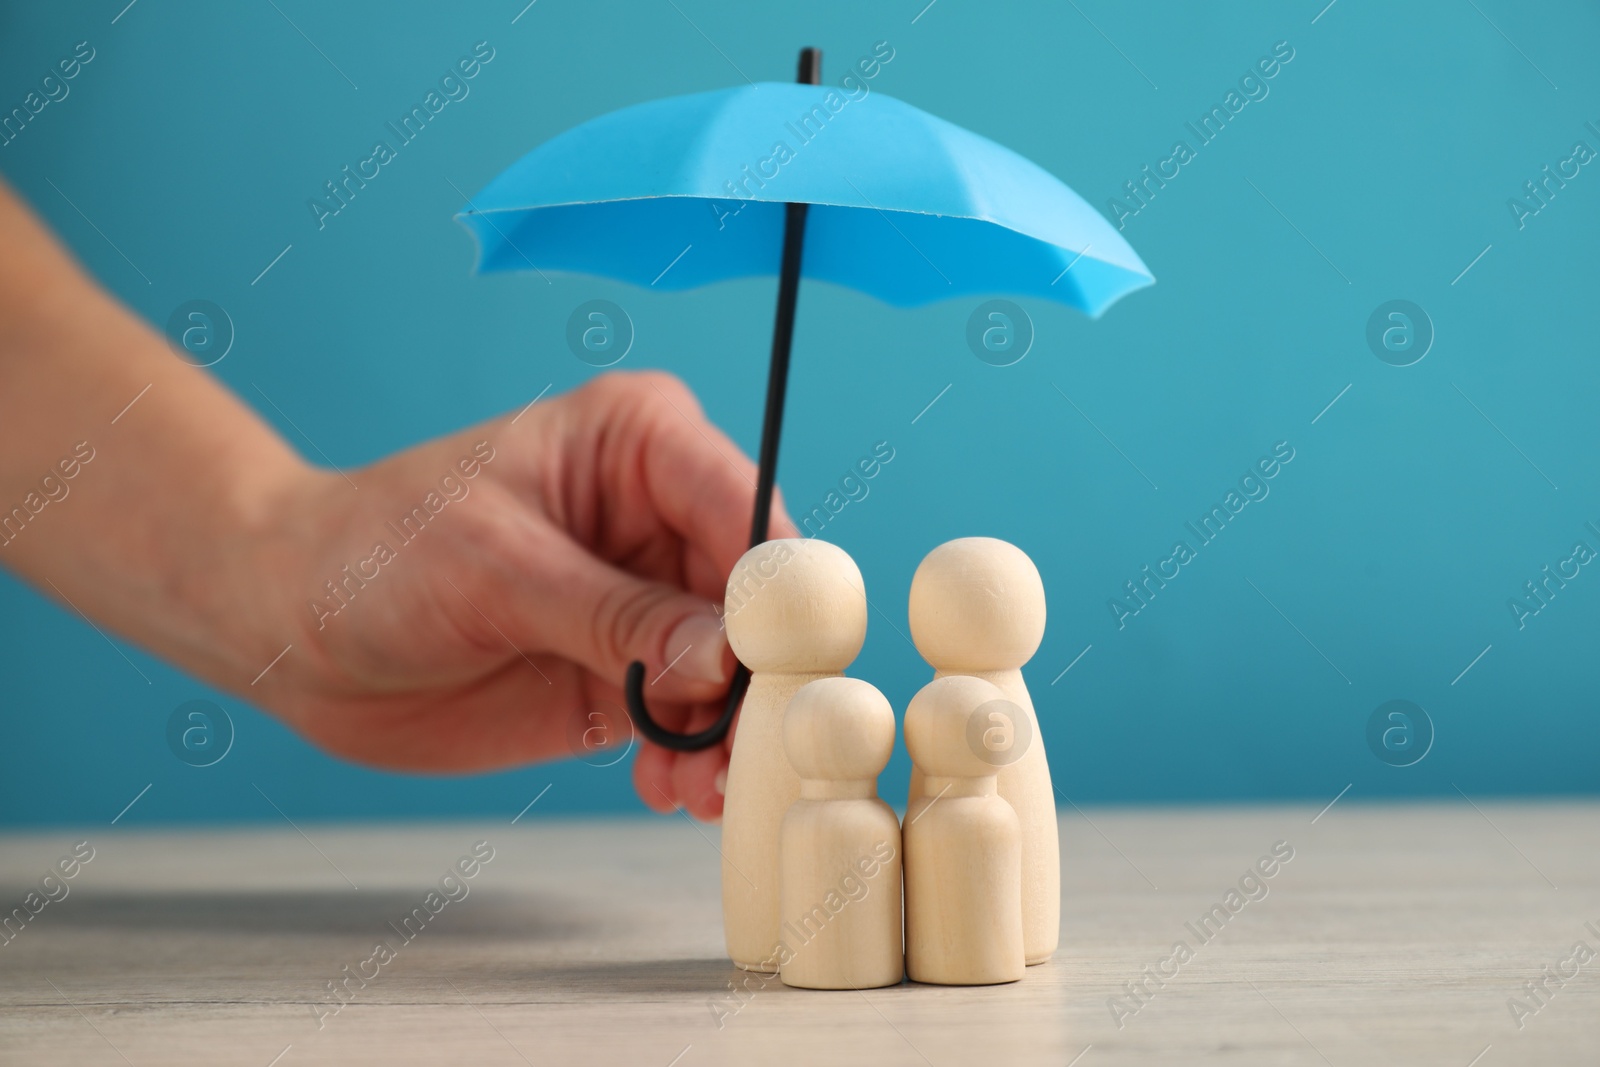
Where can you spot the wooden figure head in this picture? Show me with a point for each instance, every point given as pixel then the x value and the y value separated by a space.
pixel 796 605
pixel 977 604
pixel 937 727
pixel 840 729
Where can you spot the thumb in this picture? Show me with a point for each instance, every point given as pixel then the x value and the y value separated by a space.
pixel 604 618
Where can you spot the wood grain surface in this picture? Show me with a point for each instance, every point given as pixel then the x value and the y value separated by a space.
pixel 1396 934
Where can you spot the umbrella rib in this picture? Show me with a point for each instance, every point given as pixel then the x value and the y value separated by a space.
pixel 484 216
pixel 897 229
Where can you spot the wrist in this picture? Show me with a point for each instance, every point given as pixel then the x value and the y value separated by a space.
pixel 236 568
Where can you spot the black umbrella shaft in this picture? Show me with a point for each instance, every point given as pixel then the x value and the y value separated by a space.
pixel 794 239
pixel 794 236
pixel 794 233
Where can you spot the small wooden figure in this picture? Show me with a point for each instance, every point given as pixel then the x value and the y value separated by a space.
pixel 796 611
pixel 977 608
pixel 963 845
pixel 839 849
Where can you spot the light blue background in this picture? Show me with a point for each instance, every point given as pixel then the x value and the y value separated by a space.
pixel 1393 541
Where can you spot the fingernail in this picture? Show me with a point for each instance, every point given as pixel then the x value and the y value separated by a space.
pixel 696 649
pixel 720 782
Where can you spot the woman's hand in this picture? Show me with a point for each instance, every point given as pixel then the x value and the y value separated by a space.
pixel 473 602
pixel 468 604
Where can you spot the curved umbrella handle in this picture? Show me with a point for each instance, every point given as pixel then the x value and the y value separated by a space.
pixel 794 234
pixel 655 733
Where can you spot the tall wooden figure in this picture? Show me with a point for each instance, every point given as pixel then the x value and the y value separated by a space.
pixel 963 843
pixel 839 849
pixel 977 608
pixel 796 611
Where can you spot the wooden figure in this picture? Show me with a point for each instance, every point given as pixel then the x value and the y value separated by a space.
pixel 977 608
pixel 796 611
pixel 839 848
pixel 963 845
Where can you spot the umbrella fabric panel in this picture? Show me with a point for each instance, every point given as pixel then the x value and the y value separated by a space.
pixel 909 259
pixel 666 243
pixel 902 258
pixel 739 149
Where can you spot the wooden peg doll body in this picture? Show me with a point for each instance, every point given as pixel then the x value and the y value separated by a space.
pixel 796 611
pixel 963 846
pixel 839 849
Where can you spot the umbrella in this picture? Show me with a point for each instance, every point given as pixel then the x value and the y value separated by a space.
pixel 847 186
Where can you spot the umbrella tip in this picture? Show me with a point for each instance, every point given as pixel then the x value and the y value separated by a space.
pixel 810 67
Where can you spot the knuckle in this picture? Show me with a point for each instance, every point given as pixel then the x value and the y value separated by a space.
pixel 620 622
pixel 481 532
pixel 664 391
pixel 650 395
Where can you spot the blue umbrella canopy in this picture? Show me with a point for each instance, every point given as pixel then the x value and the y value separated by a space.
pixel 850 187
pixel 904 205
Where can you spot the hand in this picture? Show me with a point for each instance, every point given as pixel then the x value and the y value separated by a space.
pixel 594 529
pixel 524 562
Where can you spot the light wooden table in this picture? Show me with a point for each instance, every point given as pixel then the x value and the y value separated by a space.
pixel 1396 935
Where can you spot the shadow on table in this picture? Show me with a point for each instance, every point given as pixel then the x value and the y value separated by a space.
pixel 524 917
pixel 621 980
